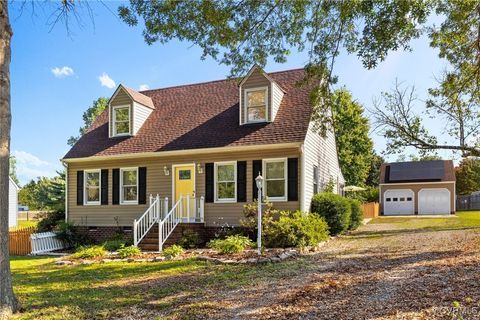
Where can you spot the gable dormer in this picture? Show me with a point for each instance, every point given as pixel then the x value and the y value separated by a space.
pixel 128 110
pixel 260 97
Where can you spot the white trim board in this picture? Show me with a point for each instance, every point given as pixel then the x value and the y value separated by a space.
pixel 407 183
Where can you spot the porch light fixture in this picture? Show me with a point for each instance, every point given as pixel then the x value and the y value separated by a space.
pixel 259 181
pixel 166 171
pixel 199 168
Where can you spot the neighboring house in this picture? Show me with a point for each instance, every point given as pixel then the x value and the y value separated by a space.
pixel 203 143
pixel 12 203
pixel 417 187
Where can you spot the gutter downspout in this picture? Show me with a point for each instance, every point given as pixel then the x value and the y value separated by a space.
pixel 302 178
pixel 65 165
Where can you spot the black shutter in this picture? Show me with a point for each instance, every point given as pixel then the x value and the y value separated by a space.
pixel 115 186
pixel 241 181
pixel 142 185
pixel 104 193
pixel 79 188
pixel 292 179
pixel 209 182
pixel 256 169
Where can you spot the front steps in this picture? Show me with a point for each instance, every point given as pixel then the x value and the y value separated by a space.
pixel 150 241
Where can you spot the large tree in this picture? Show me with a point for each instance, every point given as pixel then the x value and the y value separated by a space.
pixel 355 148
pixel 454 103
pixel 468 176
pixel 89 116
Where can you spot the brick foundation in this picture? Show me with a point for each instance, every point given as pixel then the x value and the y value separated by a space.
pixel 101 234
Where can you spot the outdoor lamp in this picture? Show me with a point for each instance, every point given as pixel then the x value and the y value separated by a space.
pixel 259 181
pixel 199 168
pixel 166 171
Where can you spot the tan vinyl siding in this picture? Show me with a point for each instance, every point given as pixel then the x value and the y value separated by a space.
pixel 120 99
pixel 157 182
pixel 140 115
pixel 321 152
pixel 256 79
pixel 416 188
pixel 277 96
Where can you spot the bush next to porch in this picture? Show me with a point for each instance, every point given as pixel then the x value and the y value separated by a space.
pixel 336 210
pixel 295 229
pixel 357 214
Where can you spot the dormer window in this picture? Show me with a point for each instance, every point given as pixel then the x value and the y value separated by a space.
pixel 121 120
pixel 256 108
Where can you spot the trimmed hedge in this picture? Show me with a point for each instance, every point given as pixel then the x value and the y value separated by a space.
pixel 357 214
pixel 336 210
pixel 295 229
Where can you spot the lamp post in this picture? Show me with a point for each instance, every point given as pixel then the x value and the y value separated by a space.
pixel 259 182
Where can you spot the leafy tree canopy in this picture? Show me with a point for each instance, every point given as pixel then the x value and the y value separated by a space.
pixel 355 148
pixel 13 170
pixel 373 178
pixel 44 193
pixel 468 176
pixel 89 116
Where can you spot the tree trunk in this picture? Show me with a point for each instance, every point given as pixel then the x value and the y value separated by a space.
pixel 8 302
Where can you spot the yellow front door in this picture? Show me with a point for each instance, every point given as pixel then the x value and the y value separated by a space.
pixel 185 187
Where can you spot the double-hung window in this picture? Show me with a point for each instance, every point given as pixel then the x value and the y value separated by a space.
pixel 92 185
pixel 275 172
pixel 121 120
pixel 225 182
pixel 129 185
pixel 256 104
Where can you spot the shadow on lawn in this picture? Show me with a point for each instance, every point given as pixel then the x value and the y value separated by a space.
pixel 388 233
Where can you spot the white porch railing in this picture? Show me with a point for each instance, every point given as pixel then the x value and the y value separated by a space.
pixel 142 225
pixel 45 242
pixel 171 220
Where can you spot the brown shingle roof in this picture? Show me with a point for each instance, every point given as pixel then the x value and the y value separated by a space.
pixel 204 115
pixel 139 97
pixel 419 171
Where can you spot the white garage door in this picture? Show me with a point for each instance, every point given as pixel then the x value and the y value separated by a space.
pixel 434 201
pixel 398 202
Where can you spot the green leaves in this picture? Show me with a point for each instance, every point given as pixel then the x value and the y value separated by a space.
pixel 89 117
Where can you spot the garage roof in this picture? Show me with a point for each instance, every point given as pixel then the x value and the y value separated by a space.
pixel 417 171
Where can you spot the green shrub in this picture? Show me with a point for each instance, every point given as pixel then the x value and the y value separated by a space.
pixel 296 229
pixel 370 194
pixel 250 212
pixel 49 220
pixel 190 239
pixel 335 209
pixel 130 251
pixel 68 233
pixel 231 244
pixel 356 217
pixel 173 251
pixel 114 244
pixel 89 252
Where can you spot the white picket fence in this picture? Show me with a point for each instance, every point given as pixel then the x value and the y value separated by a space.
pixel 45 242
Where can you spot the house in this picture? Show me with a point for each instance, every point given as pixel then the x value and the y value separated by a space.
pixel 417 188
pixel 12 203
pixel 199 147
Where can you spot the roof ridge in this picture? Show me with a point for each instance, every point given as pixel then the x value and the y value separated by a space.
pixel 212 81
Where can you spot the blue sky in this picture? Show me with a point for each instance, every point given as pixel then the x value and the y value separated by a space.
pixel 55 77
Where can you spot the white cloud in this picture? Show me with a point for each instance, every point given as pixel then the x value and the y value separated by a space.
pixel 106 81
pixel 62 72
pixel 30 167
pixel 144 87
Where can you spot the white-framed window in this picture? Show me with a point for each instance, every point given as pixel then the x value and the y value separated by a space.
pixel 225 181
pixel 129 185
pixel 121 120
pixel 256 104
pixel 92 184
pixel 275 174
pixel 315 179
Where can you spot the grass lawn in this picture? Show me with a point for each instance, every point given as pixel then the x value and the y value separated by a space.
pixel 193 289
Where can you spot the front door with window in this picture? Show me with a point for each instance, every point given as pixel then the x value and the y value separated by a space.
pixel 184 184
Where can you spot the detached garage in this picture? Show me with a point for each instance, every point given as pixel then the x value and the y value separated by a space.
pixel 417 188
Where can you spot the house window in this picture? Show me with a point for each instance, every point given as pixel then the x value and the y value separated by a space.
pixel 256 102
pixel 129 185
pixel 389 199
pixel 121 120
pixel 92 185
pixel 275 179
pixel 315 179
pixel 409 199
pixel 226 182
